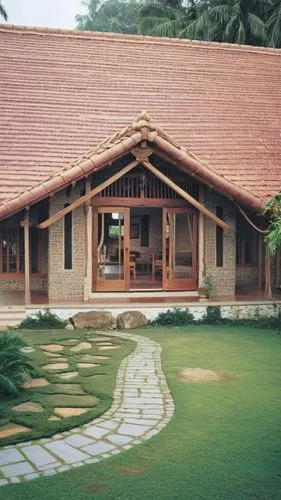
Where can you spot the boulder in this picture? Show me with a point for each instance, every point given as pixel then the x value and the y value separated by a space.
pixel 95 320
pixel 131 319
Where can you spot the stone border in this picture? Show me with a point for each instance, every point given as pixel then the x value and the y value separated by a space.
pixel 142 406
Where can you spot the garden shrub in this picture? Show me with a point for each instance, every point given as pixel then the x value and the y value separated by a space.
pixel 213 316
pixel 175 317
pixel 15 367
pixel 42 321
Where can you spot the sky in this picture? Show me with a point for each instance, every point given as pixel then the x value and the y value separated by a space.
pixel 46 13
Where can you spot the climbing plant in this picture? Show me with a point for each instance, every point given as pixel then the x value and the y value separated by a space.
pixel 273 212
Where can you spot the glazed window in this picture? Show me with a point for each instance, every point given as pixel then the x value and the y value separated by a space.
pixel 219 238
pixel 12 250
pixel 246 243
pixel 68 240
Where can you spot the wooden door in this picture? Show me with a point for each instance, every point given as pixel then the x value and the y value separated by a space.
pixel 111 249
pixel 179 249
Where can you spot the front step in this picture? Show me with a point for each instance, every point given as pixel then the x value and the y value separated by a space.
pixel 11 316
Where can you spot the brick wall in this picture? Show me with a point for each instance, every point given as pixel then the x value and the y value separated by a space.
pixel 223 278
pixel 36 284
pixel 66 283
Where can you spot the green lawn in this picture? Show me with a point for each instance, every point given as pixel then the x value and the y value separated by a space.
pixel 92 388
pixel 224 439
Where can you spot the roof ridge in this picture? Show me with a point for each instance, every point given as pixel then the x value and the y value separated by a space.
pixel 67 33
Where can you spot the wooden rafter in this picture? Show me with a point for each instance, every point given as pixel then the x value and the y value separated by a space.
pixel 187 197
pixel 54 218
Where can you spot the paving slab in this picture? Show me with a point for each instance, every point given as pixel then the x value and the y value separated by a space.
pixel 142 407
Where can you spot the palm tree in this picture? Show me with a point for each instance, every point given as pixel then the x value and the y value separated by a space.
pixel 273 25
pixel 112 15
pixel 15 367
pixel 3 12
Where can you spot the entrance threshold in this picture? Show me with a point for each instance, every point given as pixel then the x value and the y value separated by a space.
pixel 143 293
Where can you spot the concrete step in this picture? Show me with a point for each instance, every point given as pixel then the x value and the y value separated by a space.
pixel 11 316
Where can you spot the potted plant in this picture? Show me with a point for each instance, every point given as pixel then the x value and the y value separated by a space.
pixel 205 291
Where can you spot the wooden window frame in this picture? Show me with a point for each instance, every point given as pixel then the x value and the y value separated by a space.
pixel 243 264
pixel 68 218
pixel 20 275
pixel 219 239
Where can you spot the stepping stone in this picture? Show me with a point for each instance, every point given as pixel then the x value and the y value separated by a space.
pixel 12 429
pixel 60 360
pixel 132 430
pixel 70 412
pixel 54 418
pixel 103 347
pixel 27 349
pixel 81 346
pixel 9 456
pixel 38 456
pixel 66 452
pixel 86 401
pixel 105 343
pixel 35 382
pixel 17 469
pixel 87 365
pixel 52 347
pixel 56 366
pixel 98 448
pixel 78 440
pixel 29 406
pixel 88 358
pixel 67 375
pixel 52 355
pixel 69 389
pixel 69 341
pixel 119 439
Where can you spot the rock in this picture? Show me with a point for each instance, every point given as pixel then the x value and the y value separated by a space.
pixel 69 327
pixel 12 429
pixel 96 320
pixel 29 406
pixel 131 319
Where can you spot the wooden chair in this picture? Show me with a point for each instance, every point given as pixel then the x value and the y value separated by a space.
pixel 157 264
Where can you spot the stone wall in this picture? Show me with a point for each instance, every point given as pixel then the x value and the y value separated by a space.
pixel 223 278
pixel 66 283
pixel 36 284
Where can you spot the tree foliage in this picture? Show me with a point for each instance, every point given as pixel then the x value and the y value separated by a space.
pixel 253 22
pixel 273 212
pixel 15 367
pixel 3 12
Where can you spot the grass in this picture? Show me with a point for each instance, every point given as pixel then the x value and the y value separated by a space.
pixel 224 439
pixel 102 386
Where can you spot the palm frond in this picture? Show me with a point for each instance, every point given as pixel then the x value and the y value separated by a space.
pixel 273 27
pixel 7 386
pixel 3 12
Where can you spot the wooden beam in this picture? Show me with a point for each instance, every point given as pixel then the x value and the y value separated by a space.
pixel 27 294
pixel 187 197
pixel 267 288
pixel 260 240
pixel 87 196
pixel 201 239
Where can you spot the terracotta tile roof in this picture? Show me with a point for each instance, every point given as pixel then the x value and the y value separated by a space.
pixel 62 92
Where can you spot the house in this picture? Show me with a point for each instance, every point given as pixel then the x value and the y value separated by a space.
pixel 97 195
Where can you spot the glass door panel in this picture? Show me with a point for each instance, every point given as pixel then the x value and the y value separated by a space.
pixel 180 249
pixel 110 249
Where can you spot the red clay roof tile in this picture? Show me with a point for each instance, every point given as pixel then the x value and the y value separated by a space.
pixel 62 92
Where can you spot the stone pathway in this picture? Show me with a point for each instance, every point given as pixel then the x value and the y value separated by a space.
pixel 142 406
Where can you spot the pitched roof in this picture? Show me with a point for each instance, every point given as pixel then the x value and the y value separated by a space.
pixel 65 91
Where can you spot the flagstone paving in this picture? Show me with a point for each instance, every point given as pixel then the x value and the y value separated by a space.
pixel 142 406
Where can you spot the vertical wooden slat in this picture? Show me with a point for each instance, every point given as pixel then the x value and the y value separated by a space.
pixel 278 270
pixel 260 260
pixel 267 289
pixel 201 240
pixel 127 248
pixel 27 293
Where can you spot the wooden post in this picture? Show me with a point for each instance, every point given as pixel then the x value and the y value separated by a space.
pixel 260 240
pixel 88 245
pixel 201 240
pixel 278 273
pixel 27 294
pixel 267 289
